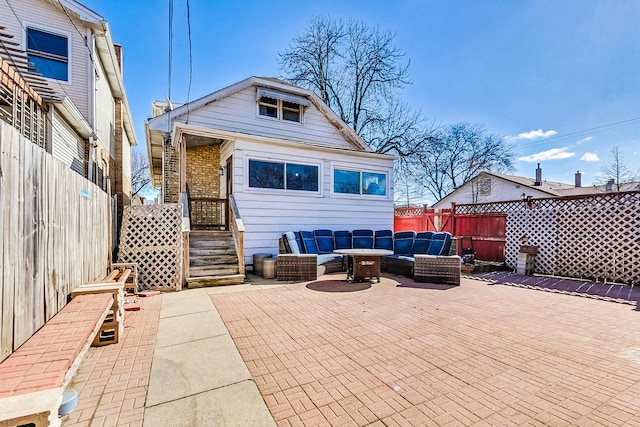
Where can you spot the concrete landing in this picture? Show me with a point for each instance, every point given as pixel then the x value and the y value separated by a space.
pixel 197 373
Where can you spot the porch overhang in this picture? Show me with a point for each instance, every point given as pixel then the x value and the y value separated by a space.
pixel 194 136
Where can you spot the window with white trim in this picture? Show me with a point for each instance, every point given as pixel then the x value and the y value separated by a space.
pixel 347 181
pixel 283 175
pixel 280 105
pixel 49 53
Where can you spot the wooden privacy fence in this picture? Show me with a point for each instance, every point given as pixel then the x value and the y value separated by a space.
pixel 487 231
pixel 151 236
pixel 54 229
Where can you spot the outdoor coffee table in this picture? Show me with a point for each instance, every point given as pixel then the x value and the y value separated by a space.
pixel 363 263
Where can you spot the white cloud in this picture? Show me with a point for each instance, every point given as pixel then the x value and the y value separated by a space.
pixel 587 139
pixel 590 157
pixel 535 134
pixel 553 154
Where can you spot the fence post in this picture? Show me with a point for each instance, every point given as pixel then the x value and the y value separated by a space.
pixel 453 219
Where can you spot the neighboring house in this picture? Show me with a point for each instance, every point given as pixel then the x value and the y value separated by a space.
pixel 88 124
pixel 277 151
pixel 489 187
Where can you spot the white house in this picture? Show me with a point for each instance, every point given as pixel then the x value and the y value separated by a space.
pixel 88 122
pixel 489 187
pixel 286 159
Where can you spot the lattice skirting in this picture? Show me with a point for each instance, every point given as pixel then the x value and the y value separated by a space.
pixel 151 236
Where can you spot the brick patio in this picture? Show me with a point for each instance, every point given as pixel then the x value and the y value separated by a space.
pixel 330 353
pixel 112 381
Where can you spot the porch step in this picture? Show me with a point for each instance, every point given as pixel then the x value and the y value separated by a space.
pixel 212 254
pixel 215 259
pixel 207 235
pixel 205 281
pixel 213 270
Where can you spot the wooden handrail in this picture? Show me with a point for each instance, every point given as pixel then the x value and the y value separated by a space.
pixel 237 229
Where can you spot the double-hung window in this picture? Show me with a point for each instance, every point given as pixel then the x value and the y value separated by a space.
pixel 347 181
pixel 49 53
pixel 283 175
pixel 280 105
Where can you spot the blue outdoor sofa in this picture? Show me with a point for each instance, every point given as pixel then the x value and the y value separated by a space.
pixel 424 256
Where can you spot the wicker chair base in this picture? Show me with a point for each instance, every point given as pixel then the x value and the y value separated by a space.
pixel 296 267
pixel 437 269
pixel 401 267
pixel 334 265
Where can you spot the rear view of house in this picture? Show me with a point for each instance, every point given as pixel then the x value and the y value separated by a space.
pixel 274 156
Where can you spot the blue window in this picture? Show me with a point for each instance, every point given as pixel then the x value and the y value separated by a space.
pixel 49 54
pixel 359 182
pixel 345 181
pixel 283 176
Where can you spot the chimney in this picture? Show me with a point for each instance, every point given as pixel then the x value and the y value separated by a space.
pixel 609 185
pixel 118 49
pixel 578 179
pixel 538 182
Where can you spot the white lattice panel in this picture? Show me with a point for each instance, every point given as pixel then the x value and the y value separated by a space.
pixel 595 237
pixel 601 241
pixel 152 236
pixel 538 227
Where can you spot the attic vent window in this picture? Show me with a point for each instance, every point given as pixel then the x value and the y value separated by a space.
pixel 484 187
pixel 49 53
pixel 280 105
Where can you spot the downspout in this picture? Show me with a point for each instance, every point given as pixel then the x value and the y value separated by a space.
pixel 91 77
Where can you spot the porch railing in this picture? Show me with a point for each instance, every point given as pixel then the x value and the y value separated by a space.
pixel 237 229
pixel 208 213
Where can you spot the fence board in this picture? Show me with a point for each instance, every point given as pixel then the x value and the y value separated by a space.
pixel 52 237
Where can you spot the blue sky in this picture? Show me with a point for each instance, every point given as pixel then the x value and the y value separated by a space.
pixel 559 79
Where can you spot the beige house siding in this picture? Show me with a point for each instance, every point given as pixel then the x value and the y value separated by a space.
pixel 105 120
pixel 67 145
pixel 43 16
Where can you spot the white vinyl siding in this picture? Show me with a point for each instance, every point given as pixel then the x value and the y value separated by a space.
pixel 500 190
pixel 67 145
pixel 239 113
pixel 105 105
pixel 266 217
pixel 44 16
pixel 126 157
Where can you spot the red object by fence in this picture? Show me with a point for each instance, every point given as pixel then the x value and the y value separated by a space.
pixel 488 231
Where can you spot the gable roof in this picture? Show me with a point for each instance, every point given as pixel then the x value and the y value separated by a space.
pixel 161 121
pixel 551 187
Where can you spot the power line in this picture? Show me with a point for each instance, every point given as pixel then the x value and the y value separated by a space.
pixel 605 126
pixel 170 62
pixel 190 58
pixel 84 39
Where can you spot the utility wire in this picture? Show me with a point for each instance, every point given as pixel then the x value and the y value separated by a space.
pixel 170 63
pixel 17 69
pixel 84 38
pixel 605 126
pixel 190 58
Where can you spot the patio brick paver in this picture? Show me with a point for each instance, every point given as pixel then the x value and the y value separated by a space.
pixel 425 354
pixel 112 380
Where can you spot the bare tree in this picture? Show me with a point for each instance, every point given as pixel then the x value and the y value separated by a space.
pixel 457 154
pixel 140 177
pixel 357 72
pixel 617 171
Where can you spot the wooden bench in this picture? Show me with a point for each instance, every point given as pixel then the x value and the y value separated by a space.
pixel 127 275
pixel 33 378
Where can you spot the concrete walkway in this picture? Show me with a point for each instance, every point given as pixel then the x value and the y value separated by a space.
pixel 197 375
